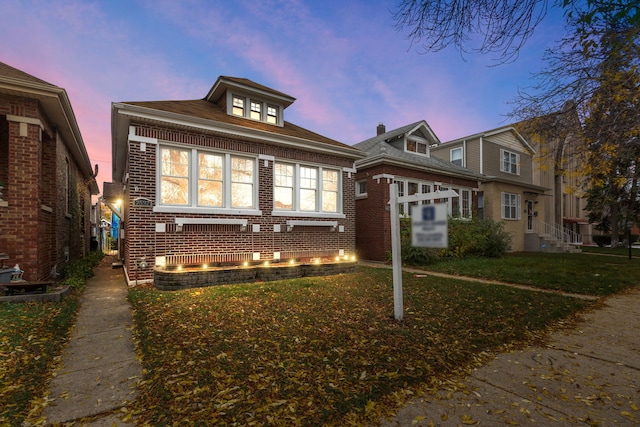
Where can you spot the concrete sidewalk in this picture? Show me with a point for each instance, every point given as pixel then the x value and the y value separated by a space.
pixel 99 368
pixel 586 376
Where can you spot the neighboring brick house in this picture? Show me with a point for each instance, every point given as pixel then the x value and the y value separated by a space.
pixel 403 156
pixel 512 191
pixel 46 176
pixel 226 180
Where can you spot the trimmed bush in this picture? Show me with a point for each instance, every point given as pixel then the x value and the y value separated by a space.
pixel 475 238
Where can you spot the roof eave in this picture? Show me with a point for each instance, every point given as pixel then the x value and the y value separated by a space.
pixel 57 107
pixel 383 159
pixel 119 129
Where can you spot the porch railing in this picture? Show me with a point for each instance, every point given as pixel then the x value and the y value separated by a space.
pixel 559 233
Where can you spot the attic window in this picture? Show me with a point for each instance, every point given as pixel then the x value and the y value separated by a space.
pixel 416 147
pixel 238 106
pixel 272 114
pixel 255 109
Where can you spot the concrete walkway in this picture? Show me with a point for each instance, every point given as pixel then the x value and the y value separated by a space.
pixel 99 368
pixel 586 376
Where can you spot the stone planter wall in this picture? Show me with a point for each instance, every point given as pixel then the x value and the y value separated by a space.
pixel 173 280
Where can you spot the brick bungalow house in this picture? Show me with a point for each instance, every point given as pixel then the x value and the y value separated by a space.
pixel 46 177
pixel 403 156
pixel 226 180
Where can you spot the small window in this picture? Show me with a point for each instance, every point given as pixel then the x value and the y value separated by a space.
pixel 510 162
pixel 416 147
pixel 238 106
pixel 510 206
pixel 272 114
pixel 256 109
pixel 361 188
pixel 456 156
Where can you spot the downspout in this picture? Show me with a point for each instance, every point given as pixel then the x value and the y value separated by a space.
pixel 481 157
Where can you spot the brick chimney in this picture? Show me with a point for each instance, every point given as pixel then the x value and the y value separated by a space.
pixel 380 129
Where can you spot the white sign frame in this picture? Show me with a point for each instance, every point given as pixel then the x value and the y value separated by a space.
pixel 396 256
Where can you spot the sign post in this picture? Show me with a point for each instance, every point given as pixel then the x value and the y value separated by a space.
pixel 429 229
pixel 396 256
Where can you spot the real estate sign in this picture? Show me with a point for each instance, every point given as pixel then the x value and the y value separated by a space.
pixel 429 226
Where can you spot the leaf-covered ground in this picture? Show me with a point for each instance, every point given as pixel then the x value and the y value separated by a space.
pixel 32 336
pixel 318 351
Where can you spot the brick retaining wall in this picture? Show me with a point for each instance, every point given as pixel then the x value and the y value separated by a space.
pixel 173 280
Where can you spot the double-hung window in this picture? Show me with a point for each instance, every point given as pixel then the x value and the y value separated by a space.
pixel 238 106
pixel 193 178
pixel 303 188
pixel 256 110
pixel 510 206
pixel 510 162
pixel 455 155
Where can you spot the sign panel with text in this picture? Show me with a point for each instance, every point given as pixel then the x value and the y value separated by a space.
pixel 429 226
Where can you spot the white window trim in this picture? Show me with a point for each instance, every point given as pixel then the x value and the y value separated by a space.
pixel 193 206
pixel 406 208
pixel 358 193
pixel 502 168
pixel 296 193
pixel 417 141
pixel 518 206
pixel 461 155
pixel 264 105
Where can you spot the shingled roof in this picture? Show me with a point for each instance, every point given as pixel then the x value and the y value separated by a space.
pixel 379 149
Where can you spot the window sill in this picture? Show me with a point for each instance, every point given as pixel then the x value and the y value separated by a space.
pixel 4 204
pixel 308 214
pixel 206 211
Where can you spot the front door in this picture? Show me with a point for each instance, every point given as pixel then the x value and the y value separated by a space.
pixel 530 215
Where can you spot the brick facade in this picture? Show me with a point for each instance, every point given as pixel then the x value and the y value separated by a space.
pixel 38 228
pixel 222 243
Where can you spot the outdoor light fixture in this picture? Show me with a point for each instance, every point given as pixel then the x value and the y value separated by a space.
pixel 245 264
pixel 291 261
pixel 317 261
pixel 337 258
pixel 204 266
pixel 179 268
pixel 143 263
pixel 266 263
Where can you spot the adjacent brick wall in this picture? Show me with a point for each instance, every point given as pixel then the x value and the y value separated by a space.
pixel 34 228
pixel 373 223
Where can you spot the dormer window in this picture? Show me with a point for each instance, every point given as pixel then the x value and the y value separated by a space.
pixel 238 106
pixel 272 114
pixel 256 108
pixel 417 147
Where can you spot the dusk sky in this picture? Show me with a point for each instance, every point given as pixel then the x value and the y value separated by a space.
pixel 346 64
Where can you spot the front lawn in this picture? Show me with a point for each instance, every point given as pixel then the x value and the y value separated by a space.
pixel 321 350
pixel 575 273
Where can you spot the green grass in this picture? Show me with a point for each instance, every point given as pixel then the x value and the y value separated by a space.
pixel 32 337
pixel 575 273
pixel 322 350
pixel 621 251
